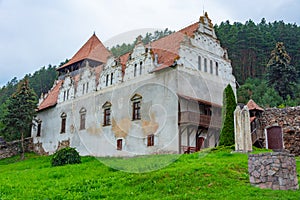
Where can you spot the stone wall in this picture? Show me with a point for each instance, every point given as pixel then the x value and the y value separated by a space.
pixel 289 120
pixel 13 148
pixel 276 170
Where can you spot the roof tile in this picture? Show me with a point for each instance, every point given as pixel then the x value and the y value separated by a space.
pixel 93 49
pixel 51 99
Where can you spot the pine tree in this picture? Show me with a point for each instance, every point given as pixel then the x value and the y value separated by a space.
pixel 20 112
pixel 281 75
pixel 229 105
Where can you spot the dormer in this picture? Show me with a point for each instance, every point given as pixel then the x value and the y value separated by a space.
pixel 111 74
pixel 140 61
pixel 67 90
pixel 86 82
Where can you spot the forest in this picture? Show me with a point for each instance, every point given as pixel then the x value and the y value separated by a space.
pixel 265 58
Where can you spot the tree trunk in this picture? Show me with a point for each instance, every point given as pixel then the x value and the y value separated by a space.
pixel 22 146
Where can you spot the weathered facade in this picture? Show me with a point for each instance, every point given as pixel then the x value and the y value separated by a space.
pixel 163 97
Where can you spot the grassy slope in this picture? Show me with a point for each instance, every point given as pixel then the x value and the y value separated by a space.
pixel 219 175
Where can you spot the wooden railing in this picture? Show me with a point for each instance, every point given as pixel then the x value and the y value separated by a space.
pixel 188 149
pixel 198 119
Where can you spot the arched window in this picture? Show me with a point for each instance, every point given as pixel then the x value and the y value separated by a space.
pixel 211 66
pixel 135 68
pixel 82 113
pixel 199 63
pixel 141 67
pixel 106 114
pixel 136 107
pixel 217 68
pixel 106 81
pixel 205 65
pixel 111 78
pixel 63 122
pixel 39 128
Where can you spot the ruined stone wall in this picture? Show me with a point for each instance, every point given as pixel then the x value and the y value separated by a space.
pixel 289 120
pixel 13 148
pixel 276 170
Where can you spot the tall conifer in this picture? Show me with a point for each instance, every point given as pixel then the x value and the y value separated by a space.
pixel 229 105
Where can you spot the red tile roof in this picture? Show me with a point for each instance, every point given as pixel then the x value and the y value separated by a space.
pixel 51 99
pixel 167 48
pixel 93 49
pixel 253 106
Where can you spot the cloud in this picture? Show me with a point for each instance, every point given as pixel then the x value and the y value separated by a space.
pixel 36 33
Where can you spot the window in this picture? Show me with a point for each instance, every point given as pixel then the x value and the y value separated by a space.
pixel 211 66
pixel 119 144
pixel 82 118
pixel 141 67
pixel 39 129
pixel 136 110
pixel 106 82
pixel 217 68
pixel 111 78
pixel 134 72
pixel 205 64
pixel 106 113
pixel 136 107
pixel 83 88
pixel 87 88
pixel 64 95
pixel 63 123
pixel 68 92
pixel 199 63
pixel 150 140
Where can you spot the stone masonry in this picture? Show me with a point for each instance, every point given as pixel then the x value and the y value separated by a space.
pixel 276 170
pixel 13 148
pixel 289 120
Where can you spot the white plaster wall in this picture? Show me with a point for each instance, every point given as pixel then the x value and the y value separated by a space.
pixel 102 141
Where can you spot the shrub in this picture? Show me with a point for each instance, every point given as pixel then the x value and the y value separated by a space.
pixel 65 156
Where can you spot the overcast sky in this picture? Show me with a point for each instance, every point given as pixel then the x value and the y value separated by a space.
pixel 35 33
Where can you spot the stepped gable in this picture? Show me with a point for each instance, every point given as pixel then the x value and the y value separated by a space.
pixel 253 106
pixel 51 99
pixel 93 49
pixel 166 48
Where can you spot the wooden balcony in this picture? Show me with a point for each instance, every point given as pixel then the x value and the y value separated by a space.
pixel 189 117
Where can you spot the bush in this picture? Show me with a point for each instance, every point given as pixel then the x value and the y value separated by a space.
pixel 65 156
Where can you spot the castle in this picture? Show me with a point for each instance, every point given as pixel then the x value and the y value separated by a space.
pixel 163 97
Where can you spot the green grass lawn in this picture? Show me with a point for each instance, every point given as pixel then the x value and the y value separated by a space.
pixel 215 175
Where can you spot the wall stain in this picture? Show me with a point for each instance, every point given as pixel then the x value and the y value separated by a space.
pixel 121 128
pixel 94 129
pixel 150 127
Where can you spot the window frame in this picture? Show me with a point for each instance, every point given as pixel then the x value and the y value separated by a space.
pixel 119 144
pixel 150 140
pixel 136 107
pixel 39 128
pixel 199 63
pixel 63 123
pixel 205 64
pixel 82 113
pixel 106 114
